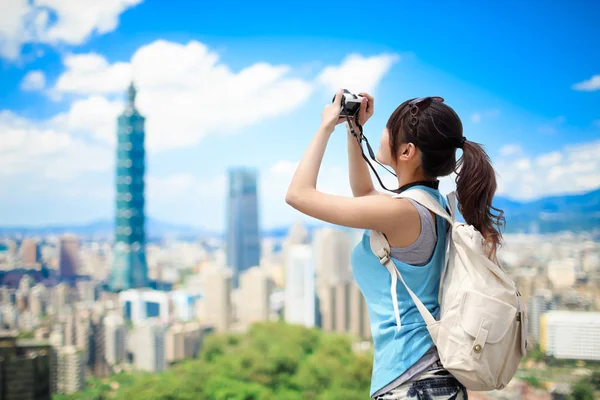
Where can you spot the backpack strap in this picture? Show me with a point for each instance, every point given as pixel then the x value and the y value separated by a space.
pixel 429 202
pixel 381 249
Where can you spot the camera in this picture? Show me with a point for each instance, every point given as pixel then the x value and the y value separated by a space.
pixel 350 104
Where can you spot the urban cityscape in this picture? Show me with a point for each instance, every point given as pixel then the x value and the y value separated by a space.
pixel 97 315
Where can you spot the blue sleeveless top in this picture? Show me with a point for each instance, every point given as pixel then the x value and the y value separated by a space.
pixel 397 350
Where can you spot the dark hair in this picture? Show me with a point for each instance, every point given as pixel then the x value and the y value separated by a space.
pixel 438 132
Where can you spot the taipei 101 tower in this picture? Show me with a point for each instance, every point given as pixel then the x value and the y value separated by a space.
pixel 129 266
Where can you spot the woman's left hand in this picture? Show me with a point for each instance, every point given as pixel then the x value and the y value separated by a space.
pixel 330 117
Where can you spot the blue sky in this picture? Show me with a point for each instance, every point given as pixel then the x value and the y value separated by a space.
pixel 243 83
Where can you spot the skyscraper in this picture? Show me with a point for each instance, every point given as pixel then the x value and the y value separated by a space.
pixel 243 241
pixel 300 294
pixel 68 257
pixel 217 297
pixel 30 252
pixel 255 290
pixel 129 266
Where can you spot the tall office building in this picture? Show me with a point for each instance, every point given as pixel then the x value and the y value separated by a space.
pixel 332 248
pixel 243 240
pixel 130 269
pixel 183 341
pixel 300 294
pixel 71 370
pixel 25 368
pixel 147 343
pixel 255 290
pixel 539 304
pixel 217 298
pixel 68 256
pixel 332 256
pixel 298 234
pixel 115 335
pixel 30 252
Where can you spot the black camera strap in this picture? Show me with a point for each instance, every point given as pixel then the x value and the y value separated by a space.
pixel 360 138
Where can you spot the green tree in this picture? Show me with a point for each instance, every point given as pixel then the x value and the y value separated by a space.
pixel 271 361
pixel 595 379
pixel 582 390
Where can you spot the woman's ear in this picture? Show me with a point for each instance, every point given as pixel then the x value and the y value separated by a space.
pixel 407 151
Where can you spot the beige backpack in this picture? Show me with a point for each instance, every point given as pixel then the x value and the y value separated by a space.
pixel 482 330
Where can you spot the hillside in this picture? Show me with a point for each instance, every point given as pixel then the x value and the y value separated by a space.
pixel 271 361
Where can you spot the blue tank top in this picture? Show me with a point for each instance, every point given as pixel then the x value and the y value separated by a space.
pixel 397 350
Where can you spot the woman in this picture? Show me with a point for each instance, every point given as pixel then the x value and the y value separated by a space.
pixel 419 142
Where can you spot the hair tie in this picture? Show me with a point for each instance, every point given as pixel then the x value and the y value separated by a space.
pixel 462 142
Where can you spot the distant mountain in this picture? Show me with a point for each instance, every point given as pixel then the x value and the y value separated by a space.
pixel 578 212
pixel 105 227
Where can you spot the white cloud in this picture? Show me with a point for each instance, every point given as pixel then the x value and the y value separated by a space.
pixel 94 116
pixel 284 167
pixel 569 170
pixel 33 80
pixel 523 164
pixel 45 149
pixel 13 31
pixel 186 100
pixel 174 187
pixel 590 85
pixel 55 21
pixel 357 73
pixel 483 115
pixel 510 150
pixel 91 73
pixel 77 20
pixel 549 159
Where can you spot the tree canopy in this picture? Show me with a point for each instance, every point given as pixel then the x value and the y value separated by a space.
pixel 272 360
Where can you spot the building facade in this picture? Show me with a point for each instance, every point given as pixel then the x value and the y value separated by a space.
pixel 68 256
pixel 255 290
pixel 217 298
pixel 71 370
pixel 25 369
pixel 571 335
pixel 130 269
pixel 300 291
pixel 243 240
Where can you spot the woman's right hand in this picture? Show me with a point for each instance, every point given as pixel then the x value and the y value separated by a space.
pixel 366 108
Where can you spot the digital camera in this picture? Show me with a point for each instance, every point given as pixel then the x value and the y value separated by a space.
pixel 350 104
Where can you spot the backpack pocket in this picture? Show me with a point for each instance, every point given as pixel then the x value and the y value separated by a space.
pixel 485 319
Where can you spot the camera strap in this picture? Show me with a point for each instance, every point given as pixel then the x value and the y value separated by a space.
pixel 360 137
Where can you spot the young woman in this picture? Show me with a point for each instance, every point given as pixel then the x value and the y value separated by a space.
pixel 419 142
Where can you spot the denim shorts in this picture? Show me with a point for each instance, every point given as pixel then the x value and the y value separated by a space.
pixel 434 384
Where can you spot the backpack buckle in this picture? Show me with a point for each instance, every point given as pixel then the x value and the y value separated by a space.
pixel 386 257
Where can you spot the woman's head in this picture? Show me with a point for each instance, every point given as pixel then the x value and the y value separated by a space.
pixel 421 137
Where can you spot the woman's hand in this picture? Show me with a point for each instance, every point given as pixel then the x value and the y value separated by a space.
pixel 330 116
pixel 367 107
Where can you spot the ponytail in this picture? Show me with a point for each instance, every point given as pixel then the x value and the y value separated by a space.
pixel 475 189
